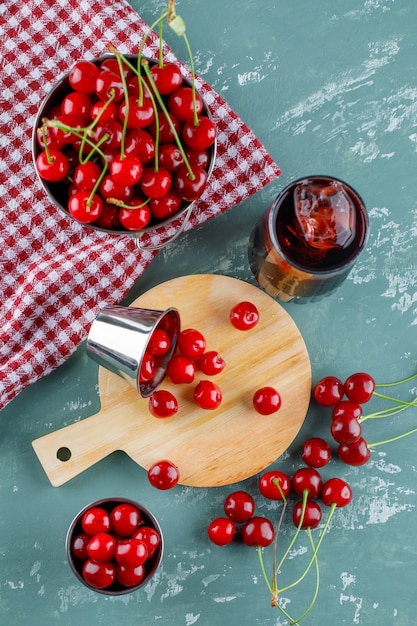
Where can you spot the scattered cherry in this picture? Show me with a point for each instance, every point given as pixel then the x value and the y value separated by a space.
pixel 221 531
pixel 244 315
pixel 239 506
pixel 181 369
pixel 359 387
pixel 307 479
pixel 163 475
pixel 336 491
pixel 207 395
pixel 258 531
pixel 163 403
pixel 266 400
pixel 316 452
pixel 191 343
pixel 211 363
pixel 274 485
pixel 312 514
pixel 356 453
pixel 328 391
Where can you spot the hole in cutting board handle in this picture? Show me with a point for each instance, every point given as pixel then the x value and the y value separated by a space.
pixel 63 454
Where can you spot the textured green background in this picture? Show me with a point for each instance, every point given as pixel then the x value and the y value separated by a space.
pixel 330 88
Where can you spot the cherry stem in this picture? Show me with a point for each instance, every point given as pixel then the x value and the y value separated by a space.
pixel 390 411
pixel 316 590
pixel 315 551
pixel 83 136
pixel 126 99
pixel 381 443
pixel 398 382
pixel 49 158
pixel 169 120
pixel 297 532
pixel 123 205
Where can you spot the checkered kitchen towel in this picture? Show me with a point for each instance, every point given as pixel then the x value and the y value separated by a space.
pixel 54 273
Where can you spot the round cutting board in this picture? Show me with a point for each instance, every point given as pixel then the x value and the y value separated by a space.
pixel 210 447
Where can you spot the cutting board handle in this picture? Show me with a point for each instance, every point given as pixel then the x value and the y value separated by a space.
pixel 69 451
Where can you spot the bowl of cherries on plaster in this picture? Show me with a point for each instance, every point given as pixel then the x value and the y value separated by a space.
pixel 114 546
pixel 124 144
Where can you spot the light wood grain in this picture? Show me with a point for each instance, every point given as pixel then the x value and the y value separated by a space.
pixel 211 448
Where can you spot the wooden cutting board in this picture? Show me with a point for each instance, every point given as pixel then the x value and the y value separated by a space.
pixel 210 448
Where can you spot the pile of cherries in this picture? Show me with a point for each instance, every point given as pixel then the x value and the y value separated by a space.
pixel 306 483
pixel 192 357
pixel 128 145
pixel 114 546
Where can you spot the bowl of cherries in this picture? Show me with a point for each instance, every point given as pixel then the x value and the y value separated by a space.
pixel 125 145
pixel 114 546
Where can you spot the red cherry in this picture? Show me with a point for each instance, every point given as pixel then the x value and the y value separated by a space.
pixel 328 391
pixel 198 157
pixel 106 112
pixel 110 190
pixel 101 547
pixel 79 546
pixel 159 343
pixel 200 136
pixel 167 77
pixel 95 520
pixel 149 536
pixel 109 217
pixel 165 132
pixel 130 576
pixel 126 170
pixel 147 368
pixel 135 218
pixel 65 135
pixel 239 506
pixel 336 491
pixel 316 452
pixel 109 134
pixel 191 343
pixel 221 531
pixel 312 515
pixel 155 183
pixel 180 103
pixel 356 453
pixel 347 409
pixel 99 575
pixel 131 552
pixel 163 403
pixel 307 479
pixel 83 208
pixel 244 315
pixel 266 400
pixel 140 143
pixel 181 369
pixel 45 135
pixel 190 187
pixel 170 157
pixel 211 363
pixel 77 104
pixel 111 65
pixel 207 395
pixel 125 519
pixel 274 484
pixel 52 168
pixel 108 84
pixel 86 175
pixel 164 207
pixel 83 76
pixel 139 115
pixel 258 531
pixel 359 387
pixel 345 429
pixel 163 475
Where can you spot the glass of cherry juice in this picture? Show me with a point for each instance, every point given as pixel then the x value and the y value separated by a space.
pixel 308 240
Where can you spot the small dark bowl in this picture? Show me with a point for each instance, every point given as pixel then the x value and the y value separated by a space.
pixel 151 564
pixel 58 192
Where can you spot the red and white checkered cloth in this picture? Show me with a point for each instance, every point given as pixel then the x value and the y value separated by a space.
pixel 54 273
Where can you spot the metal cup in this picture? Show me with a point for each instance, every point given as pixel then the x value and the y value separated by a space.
pixel 118 341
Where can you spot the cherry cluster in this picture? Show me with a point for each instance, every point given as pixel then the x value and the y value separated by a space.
pixel 113 546
pixel 128 145
pixel 346 400
pixel 239 520
pixel 191 357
